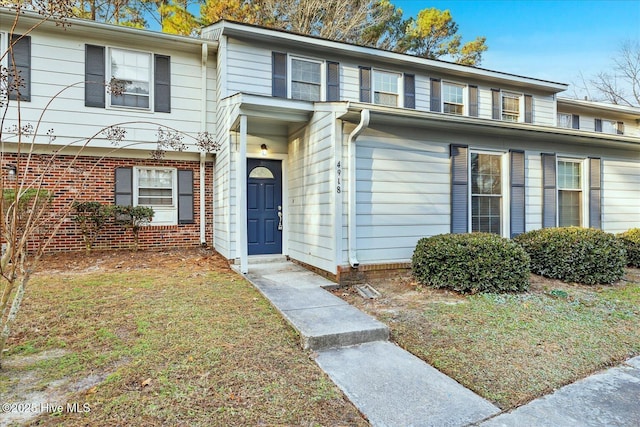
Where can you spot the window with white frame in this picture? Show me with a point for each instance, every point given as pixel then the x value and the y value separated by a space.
pixel 486 192
pixel 510 107
pixel 452 98
pixel 385 88
pixel 569 192
pixel 132 73
pixel 565 120
pixel 610 127
pixel 156 187
pixel 306 79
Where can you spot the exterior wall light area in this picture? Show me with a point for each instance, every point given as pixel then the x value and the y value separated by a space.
pixel 263 149
pixel 12 171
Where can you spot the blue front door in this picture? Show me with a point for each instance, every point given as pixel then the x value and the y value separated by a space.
pixel 264 206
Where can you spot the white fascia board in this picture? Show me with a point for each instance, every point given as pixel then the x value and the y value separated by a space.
pixel 368 53
pixel 110 32
pixel 423 119
pixel 277 109
pixel 619 110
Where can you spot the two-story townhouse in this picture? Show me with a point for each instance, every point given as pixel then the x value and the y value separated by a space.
pixel 166 81
pixel 338 156
pixel 342 156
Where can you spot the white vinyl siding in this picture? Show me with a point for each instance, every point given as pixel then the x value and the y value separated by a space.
pixel 620 194
pixel 402 194
pixel 312 194
pixel 72 121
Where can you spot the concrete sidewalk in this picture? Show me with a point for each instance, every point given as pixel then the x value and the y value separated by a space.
pixel 388 385
pixel 392 388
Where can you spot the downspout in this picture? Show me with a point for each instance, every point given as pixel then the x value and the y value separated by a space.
pixel 203 155
pixel 351 215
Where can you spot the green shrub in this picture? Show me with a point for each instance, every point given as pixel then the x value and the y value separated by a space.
pixel 91 217
pixel 631 240
pixel 573 254
pixel 470 263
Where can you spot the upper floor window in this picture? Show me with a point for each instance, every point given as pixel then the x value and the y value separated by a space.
pixel 452 98
pixel 132 73
pixel 510 107
pixel 385 88
pixel 565 120
pixel 609 126
pixel 143 79
pixel 304 79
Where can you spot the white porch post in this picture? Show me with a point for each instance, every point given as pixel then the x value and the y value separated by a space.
pixel 241 196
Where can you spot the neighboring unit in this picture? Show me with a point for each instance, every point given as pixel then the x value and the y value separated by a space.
pixel 338 156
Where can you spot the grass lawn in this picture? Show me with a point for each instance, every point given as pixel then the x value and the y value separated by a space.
pixel 171 338
pixel 513 348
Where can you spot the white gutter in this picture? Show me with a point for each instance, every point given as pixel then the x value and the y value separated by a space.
pixel 203 155
pixel 351 215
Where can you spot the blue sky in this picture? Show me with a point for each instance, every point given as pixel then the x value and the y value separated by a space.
pixel 550 40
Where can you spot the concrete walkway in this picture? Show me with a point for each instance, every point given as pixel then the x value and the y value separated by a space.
pixel 391 387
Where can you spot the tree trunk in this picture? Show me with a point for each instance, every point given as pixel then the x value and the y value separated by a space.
pixel 13 312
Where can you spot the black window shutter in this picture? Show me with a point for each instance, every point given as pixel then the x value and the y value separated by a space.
pixel 528 109
pixel 595 193
pixel 518 203
pixel 598 125
pixel 333 81
pixel 495 104
pixel 549 194
pixel 409 91
pixel 162 84
pixel 185 196
pixel 279 68
pixel 459 188
pixel 473 101
pixel 575 121
pixel 20 66
pixel 124 187
pixel 436 95
pixel 94 76
pixel 620 128
pixel 365 84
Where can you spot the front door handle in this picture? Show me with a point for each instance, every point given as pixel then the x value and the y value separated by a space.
pixel 279 218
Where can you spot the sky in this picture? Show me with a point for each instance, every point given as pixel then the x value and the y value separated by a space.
pixel 549 40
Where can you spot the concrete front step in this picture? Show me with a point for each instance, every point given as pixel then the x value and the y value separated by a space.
pixel 394 388
pixel 322 319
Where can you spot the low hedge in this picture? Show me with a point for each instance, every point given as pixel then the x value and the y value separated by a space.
pixel 631 240
pixel 470 263
pixel 573 254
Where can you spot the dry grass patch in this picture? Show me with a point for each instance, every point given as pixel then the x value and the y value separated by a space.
pixel 512 348
pixel 172 338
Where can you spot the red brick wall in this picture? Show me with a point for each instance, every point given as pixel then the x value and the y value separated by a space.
pixel 86 178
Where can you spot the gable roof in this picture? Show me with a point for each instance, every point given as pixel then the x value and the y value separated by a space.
pixel 303 41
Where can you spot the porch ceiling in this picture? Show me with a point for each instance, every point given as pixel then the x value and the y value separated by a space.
pixel 266 112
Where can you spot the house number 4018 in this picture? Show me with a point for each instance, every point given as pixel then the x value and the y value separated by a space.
pixel 339 177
